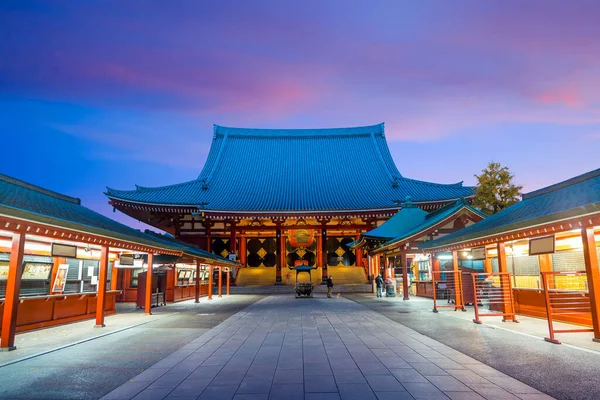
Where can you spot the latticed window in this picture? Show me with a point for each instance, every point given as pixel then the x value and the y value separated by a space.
pixel 220 246
pixel 261 252
pixel 338 252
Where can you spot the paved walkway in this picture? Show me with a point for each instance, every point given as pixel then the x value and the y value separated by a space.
pixel 78 361
pixel 286 348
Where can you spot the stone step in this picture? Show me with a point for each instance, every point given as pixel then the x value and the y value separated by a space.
pixel 285 289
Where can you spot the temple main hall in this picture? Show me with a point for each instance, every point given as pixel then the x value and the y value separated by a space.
pixel 277 198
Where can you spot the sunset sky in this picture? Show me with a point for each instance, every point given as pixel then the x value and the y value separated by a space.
pixel 118 93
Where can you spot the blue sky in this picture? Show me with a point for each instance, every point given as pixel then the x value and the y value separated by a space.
pixel 97 94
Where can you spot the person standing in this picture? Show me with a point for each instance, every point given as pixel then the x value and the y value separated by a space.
pixel 329 286
pixel 379 283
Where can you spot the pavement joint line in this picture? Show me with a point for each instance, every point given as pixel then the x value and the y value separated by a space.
pixel 529 335
pixel 81 341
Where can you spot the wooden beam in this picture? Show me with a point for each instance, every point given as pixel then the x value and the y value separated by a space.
pixel 403 260
pixel 102 279
pixel 13 287
pixel 593 277
pixel 148 305
pixel 220 290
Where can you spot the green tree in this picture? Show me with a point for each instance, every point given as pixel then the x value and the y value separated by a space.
pixel 495 189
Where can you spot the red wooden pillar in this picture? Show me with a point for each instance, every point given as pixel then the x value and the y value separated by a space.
pixel 386 271
pixel 102 279
pixel 280 240
pixel 435 263
pixel 242 255
pixel 208 239
pixel 233 239
pixel 404 276
pixel 148 305
pixel 197 292
pixel 319 249
pixel 220 291
pixel 210 282
pixel 324 272
pixel 504 279
pixel 13 288
pixel 358 254
pixel 457 283
pixel 593 277
pixel 228 281
pixel 113 277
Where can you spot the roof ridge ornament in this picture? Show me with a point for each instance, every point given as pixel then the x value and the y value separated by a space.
pixel 408 203
pixel 204 184
pixel 395 184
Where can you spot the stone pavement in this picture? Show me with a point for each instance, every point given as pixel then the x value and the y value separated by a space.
pixel 77 361
pixel 318 349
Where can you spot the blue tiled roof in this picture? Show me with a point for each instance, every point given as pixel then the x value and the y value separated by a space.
pixel 404 220
pixel 294 170
pixel 572 198
pixel 22 200
pixel 432 219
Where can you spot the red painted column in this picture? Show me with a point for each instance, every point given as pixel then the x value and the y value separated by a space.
pixel 386 264
pixel 593 277
pixel 197 292
pixel 148 305
pixel 280 240
pixel 208 239
pixel 504 280
pixel 242 255
pixel 113 277
pixel 210 282
pixel 13 288
pixel 233 239
pixel 220 291
pixel 404 276
pixel 324 272
pixel 457 299
pixel 228 280
pixel 102 279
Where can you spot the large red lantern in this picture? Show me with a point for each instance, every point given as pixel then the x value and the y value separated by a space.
pixel 301 237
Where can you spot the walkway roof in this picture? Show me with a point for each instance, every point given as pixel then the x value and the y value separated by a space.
pixel 411 222
pixel 574 198
pixel 295 170
pixel 25 202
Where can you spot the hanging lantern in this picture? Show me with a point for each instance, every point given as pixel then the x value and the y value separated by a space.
pixel 301 237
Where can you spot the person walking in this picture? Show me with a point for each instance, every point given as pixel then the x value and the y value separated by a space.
pixel 329 286
pixel 379 283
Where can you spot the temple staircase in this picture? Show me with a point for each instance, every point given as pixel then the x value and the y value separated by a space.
pixel 266 276
pixel 347 275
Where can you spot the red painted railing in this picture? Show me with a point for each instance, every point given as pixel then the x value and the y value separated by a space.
pixel 447 285
pixel 566 294
pixel 495 291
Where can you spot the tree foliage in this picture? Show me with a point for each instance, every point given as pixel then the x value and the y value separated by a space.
pixel 495 189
